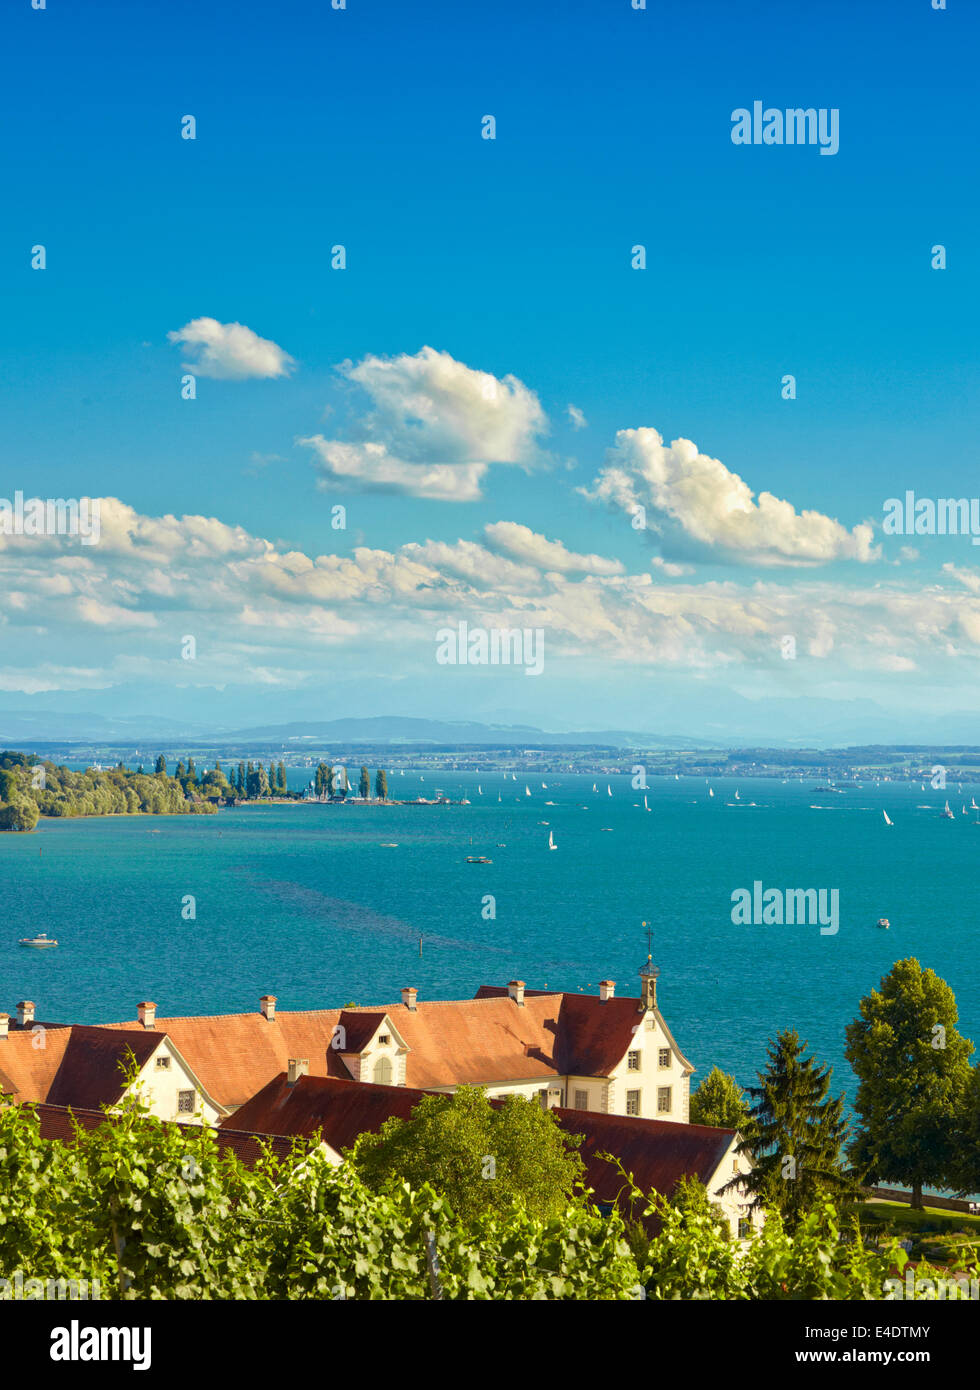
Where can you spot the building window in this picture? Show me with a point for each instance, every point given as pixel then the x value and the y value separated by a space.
pixel 185 1102
pixel 633 1061
pixel 581 1100
pixel 663 1100
pixel 651 1023
pixel 744 1227
pixel 382 1071
pixel 163 1063
pixel 384 1039
pixel 734 1165
pixel 665 1056
pixel 632 1102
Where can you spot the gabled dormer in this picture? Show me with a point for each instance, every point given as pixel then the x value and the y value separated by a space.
pixel 371 1048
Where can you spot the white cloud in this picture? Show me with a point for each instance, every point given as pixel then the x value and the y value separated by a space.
pixel 697 506
pixel 577 417
pixel 433 428
pixel 522 543
pixel 121 609
pixel 230 351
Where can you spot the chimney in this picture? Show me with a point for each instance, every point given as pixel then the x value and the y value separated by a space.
pixel 25 1012
pixel 550 1097
pixel 268 1006
pixel 147 1014
pixel 607 989
pixel 515 989
pixel 4 1025
pixel 297 1067
pixel 409 997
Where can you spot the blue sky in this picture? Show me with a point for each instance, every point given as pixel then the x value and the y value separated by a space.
pixel 511 258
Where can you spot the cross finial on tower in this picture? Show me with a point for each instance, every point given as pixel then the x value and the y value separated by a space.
pixel 649 940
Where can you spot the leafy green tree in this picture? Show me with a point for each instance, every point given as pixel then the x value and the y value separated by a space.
pixel 9 785
pixel 320 780
pixel 21 814
pixel 364 788
pixel 381 785
pixel 794 1136
pixel 180 772
pixel 719 1101
pixel 912 1068
pixel 482 1158
pixel 191 772
pixel 240 779
pixel 161 765
pixel 281 786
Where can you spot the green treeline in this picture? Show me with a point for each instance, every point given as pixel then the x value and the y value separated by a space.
pixel 30 788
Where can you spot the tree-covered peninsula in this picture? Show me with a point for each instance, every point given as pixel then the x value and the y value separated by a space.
pixel 30 788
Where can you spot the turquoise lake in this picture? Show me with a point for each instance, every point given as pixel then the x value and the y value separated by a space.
pixel 306 902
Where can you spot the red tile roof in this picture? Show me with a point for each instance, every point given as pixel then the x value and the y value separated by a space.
pixel 57 1123
pixel 78 1065
pixel 483 1041
pixel 340 1109
pixel 657 1152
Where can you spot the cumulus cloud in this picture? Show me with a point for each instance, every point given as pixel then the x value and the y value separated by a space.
pixel 121 609
pixel 433 428
pixel 230 351
pixel 698 507
pixel 521 543
pixel 577 417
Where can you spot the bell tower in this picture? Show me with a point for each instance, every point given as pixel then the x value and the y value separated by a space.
pixel 648 977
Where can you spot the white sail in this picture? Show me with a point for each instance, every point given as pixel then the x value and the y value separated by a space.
pixel 711 791
pixel 737 797
pixel 551 840
pixel 645 804
pixel 608 789
pixel 527 790
pixel 887 821
pixel 544 786
pixel 479 789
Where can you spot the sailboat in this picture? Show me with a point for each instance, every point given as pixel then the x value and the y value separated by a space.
pixel 608 789
pixel 544 786
pixel 551 840
pixel 711 791
pixel 594 787
pixel 527 790
pixel 947 813
pixel 499 797
pixel 973 804
pixel 887 821
pixel 479 789
pixel 645 805
pixel 737 797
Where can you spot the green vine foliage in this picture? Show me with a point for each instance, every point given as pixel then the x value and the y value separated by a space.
pixel 154 1211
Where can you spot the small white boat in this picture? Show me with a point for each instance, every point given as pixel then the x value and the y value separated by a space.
pixel 883 923
pixel 887 821
pixel 544 786
pixel 527 790
pixel 646 805
pixel 594 787
pixel 737 797
pixel 479 790
pixel 947 813
pixel 40 942
pixel 389 844
pixel 608 789
pixel 711 791
pixel 551 840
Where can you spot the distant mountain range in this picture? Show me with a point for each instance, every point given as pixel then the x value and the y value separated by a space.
pixel 714 721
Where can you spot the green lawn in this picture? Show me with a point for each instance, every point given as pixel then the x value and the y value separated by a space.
pixel 951 1235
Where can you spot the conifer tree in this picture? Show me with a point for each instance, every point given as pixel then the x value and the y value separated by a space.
pixel 364 789
pixel 281 778
pixel 795 1135
pixel 161 764
pixel 381 785
pixel 240 780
